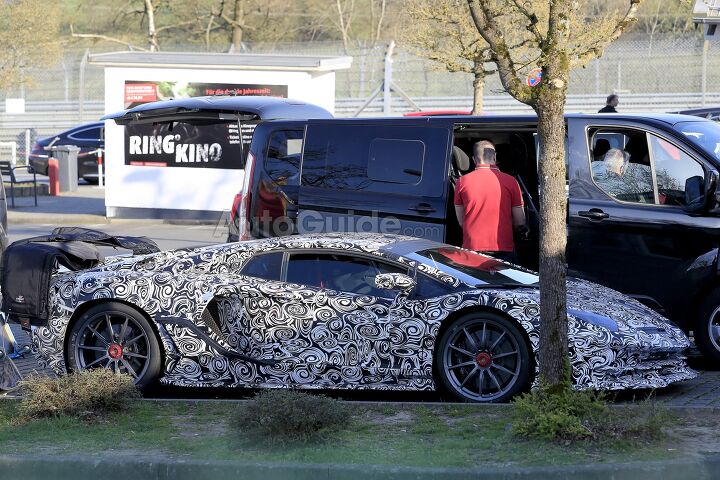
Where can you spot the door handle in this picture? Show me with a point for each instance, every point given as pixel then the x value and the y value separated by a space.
pixel 593 214
pixel 423 208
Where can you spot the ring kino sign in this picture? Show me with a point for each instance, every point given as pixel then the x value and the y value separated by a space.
pixel 181 144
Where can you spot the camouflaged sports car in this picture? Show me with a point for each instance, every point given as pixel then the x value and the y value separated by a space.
pixel 343 311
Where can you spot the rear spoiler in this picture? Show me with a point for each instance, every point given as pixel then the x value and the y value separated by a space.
pixel 29 265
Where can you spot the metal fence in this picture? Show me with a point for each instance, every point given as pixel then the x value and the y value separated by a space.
pixel 660 73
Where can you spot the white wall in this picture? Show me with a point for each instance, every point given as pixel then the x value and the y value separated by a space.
pixel 203 189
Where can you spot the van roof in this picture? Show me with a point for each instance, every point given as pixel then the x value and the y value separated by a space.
pixel 264 108
pixel 647 118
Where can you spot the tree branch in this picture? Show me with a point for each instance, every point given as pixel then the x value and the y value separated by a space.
pixel 176 25
pixel 533 21
pixel 106 38
pixel 596 50
pixel 488 28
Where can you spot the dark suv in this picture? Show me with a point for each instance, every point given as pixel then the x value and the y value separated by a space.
pixel 3 220
pixel 88 137
pixel 656 238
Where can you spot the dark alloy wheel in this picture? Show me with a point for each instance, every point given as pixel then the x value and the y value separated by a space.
pixel 118 338
pixel 483 357
pixel 707 327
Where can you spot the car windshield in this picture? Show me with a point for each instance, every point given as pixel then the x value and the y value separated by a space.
pixel 705 135
pixel 475 269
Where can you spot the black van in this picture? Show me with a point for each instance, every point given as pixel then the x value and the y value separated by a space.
pixel 657 240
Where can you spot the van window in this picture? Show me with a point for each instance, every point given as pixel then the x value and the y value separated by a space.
pixel 396 161
pixel 377 158
pixel 641 167
pixel 282 161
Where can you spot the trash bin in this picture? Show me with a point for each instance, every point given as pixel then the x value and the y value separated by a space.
pixel 67 157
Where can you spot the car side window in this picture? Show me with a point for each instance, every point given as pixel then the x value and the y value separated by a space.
pixel 428 287
pixel 267 266
pixel 680 179
pixel 343 273
pixel 87 134
pixel 640 167
pixel 282 161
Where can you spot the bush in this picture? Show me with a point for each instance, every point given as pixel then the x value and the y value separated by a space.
pixel 562 414
pixel 280 417
pixel 86 394
pixel 565 415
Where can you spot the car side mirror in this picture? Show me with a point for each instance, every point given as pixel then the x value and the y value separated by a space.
pixel 695 194
pixel 712 195
pixel 394 281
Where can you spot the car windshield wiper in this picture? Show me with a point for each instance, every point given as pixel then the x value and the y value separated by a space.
pixel 507 286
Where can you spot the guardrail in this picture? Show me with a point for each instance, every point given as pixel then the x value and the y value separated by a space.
pixel 48 118
pixel 629 103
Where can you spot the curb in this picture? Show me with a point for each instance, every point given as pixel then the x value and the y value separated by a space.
pixel 28 467
pixel 29 218
pixel 26 218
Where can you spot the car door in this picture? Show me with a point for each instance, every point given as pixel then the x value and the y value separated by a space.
pixel 353 322
pixel 632 232
pixel 378 177
pixel 275 206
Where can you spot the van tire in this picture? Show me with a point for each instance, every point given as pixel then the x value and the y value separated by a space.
pixel 707 327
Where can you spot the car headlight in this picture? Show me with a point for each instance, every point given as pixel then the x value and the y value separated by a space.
pixel 594 319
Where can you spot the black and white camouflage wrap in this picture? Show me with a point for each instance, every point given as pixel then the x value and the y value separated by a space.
pixel 319 338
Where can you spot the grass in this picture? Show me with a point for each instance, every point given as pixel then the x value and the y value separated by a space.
pixel 424 437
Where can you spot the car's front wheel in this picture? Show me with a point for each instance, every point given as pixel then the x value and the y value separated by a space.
pixel 116 337
pixel 483 357
pixel 706 329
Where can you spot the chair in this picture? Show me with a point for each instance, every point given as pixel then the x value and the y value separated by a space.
pixel 7 170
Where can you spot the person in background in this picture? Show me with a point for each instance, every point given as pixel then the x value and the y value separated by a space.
pixel 489 205
pixel 610 104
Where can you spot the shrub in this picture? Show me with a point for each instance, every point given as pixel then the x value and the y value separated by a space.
pixel 565 415
pixel 86 394
pixel 280 417
pixel 561 414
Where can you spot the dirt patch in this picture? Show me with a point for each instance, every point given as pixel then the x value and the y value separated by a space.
pixel 696 434
pixel 205 429
pixel 396 418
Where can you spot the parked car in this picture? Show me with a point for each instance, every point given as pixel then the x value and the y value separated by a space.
pixel 711 113
pixel 88 137
pixel 658 244
pixel 3 220
pixel 337 311
pixel 432 113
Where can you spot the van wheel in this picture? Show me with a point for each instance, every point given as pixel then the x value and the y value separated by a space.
pixel 483 357
pixel 707 327
pixel 115 337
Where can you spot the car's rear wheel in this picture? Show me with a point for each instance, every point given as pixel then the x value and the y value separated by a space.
pixel 116 337
pixel 483 357
pixel 707 327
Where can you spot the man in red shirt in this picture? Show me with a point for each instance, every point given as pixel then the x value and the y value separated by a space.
pixel 489 205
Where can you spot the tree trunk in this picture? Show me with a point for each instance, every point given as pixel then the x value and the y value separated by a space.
pixel 152 32
pixel 478 90
pixel 550 107
pixel 238 22
pixel 553 239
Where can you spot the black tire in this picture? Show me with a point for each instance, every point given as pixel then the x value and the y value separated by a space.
pixel 133 348
pixel 483 367
pixel 706 327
